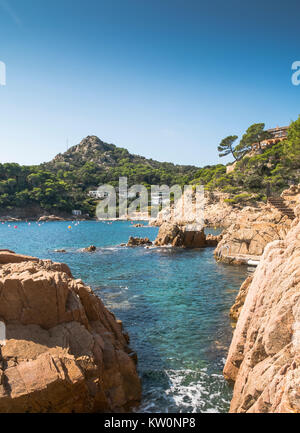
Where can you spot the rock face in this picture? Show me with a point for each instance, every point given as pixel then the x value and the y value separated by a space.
pixel 64 351
pixel 213 240
pixel 292 194
pixel 180 236
pixel 264 356
pixel 235 310
pixel 250 235
pixel 216 211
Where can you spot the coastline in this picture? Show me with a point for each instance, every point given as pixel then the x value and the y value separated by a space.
pixel 241 307
pixel 94 257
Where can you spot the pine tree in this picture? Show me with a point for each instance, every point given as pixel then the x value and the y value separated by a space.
pixel 226 146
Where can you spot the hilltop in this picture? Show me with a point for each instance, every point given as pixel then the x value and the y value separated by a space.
pixel 63 183
pixel 105 156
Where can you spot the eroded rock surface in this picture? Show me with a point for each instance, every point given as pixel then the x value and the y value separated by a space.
pixel 264 356
pixel 177 235
pixel 250 235
pixel 64 351
pixel 138 242
pixel 236 308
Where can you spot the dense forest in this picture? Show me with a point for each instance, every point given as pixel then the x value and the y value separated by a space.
pixel 63 183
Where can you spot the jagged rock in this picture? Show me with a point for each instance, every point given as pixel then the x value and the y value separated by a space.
pixel 213 240
pixel 90 249
pixel 64 352
pixel 179 236
pixel 50 218
pixel 264 356
pixel 7 256
pixel 249 237
pixel 137 242
pixel 292 190
pixel 236 308
pixel 169 234
pixel 183 236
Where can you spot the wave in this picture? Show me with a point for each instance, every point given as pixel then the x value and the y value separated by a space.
pixel 187 391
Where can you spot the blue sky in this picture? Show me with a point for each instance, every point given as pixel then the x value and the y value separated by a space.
pixel 166 79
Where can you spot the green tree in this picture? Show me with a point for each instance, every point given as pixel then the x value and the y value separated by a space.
pixel 292 146
pixel 255 134
pixel 226 146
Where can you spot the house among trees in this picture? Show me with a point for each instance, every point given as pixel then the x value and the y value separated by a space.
pixel 276 134
pixel 255 140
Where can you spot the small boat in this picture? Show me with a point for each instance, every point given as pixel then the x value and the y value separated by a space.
pixel 253 262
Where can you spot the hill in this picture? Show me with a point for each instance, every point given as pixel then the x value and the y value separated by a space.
pixel 63 183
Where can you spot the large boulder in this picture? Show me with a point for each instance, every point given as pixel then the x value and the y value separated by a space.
pixel 138 242
pixel 64 351
pixel 180 236
pixel 264 356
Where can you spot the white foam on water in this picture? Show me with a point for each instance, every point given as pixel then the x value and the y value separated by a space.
pixel 190 391
pixel 122 305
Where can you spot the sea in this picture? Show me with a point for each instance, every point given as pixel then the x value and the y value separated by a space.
pixel 173 302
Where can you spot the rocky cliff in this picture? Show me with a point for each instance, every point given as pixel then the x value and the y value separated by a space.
pixel 64 351
pixel 216 212
pixel 250 234
pixel 264 356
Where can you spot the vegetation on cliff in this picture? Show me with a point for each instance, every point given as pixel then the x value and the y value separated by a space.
pixel 277 165
pixel 63 183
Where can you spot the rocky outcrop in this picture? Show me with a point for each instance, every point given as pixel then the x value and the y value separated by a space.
pixel 217 211
pixel 138 242
pixel 90 249
pixel 64 351
pixel 178 236
pixel 50 218
pixel 264 356
pixel 213 240
pixel 292 194
pixel 184 236
pixel 250 235
pixel 236 308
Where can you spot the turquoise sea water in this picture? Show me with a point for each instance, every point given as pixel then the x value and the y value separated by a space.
pixel 174 303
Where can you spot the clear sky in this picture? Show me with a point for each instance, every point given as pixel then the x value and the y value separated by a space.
pixel 166 79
